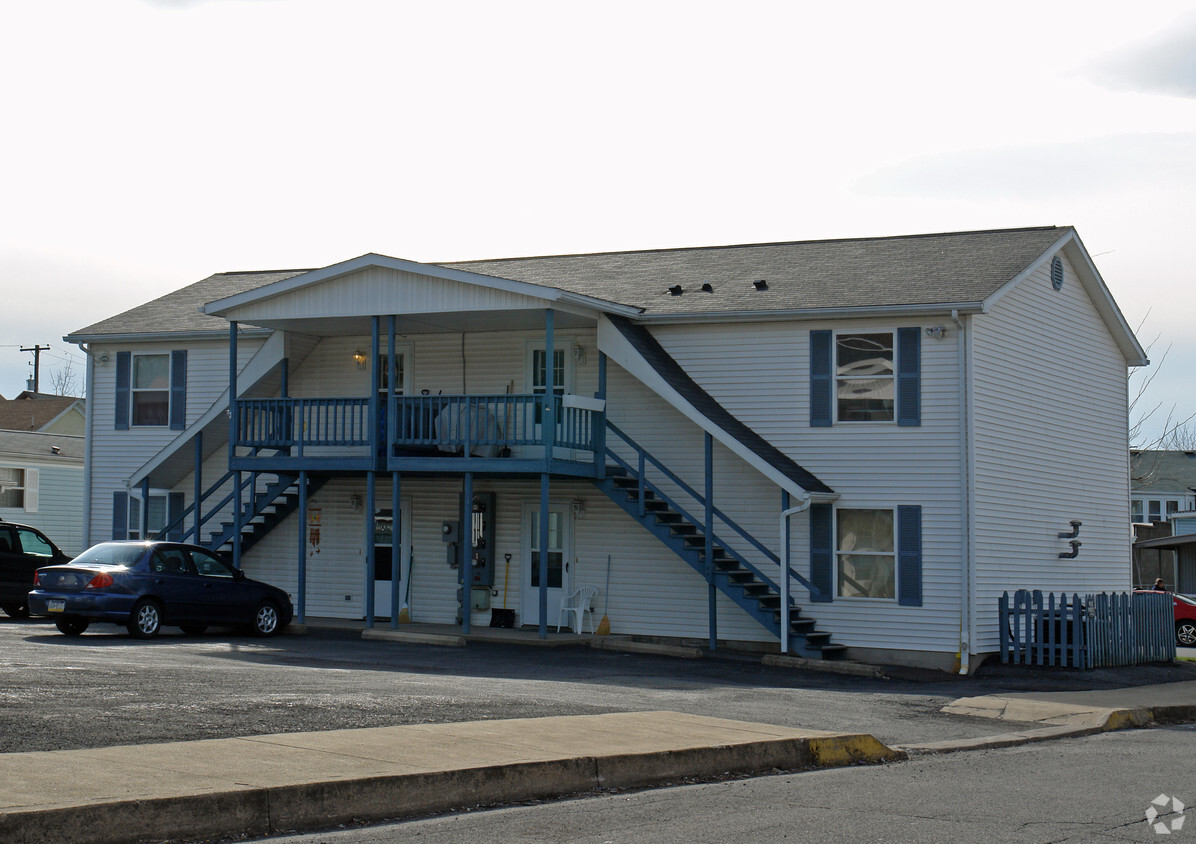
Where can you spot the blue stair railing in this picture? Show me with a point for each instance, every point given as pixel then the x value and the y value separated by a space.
pixel 734 574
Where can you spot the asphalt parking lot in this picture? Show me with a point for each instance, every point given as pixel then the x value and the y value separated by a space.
pixel 104 688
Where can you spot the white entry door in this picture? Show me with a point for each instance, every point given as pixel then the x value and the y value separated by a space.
pixel 560 550
pixel 390 557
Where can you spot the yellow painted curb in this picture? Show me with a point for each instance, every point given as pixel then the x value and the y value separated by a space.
pixel 837 751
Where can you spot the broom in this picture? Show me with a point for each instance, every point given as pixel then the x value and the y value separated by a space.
pixel 405 612
pixel 604 625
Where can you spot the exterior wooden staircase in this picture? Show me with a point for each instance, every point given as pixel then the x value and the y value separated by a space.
pixel 733 574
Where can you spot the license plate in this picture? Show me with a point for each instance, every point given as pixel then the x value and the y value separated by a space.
pixel 56 606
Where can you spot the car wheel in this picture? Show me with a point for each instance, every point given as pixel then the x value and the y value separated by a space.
pixel 266 621
pixel 16 610
pixel 1185 634
pixel 72 626
pixel 146 619
pixel 193 629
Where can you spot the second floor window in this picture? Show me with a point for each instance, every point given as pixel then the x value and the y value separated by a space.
pixel 151 389
pixel 864 382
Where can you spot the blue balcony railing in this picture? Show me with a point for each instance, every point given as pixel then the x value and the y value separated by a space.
pixel 476 425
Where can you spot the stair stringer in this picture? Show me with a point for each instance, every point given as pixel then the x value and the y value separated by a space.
pixel 758 597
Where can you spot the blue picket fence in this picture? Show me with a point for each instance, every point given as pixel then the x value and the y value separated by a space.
pixel 1099 630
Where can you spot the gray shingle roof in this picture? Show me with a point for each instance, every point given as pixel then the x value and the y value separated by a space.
pixel 951 268
pixel 1163 470
pixel 37 444
pixel 178 311
pixel 867 272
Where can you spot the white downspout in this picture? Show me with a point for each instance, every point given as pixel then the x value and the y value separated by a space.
pixel 964 364
pixel 88 439
pixel 784 534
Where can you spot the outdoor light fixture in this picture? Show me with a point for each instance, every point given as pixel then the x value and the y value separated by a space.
pixel 359 359
pixel 102 359
pixel 355 502
pixel 937 332
pixel 579 508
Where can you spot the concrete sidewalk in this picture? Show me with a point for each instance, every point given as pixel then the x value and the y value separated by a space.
pixel 302 781
pixel 1053 715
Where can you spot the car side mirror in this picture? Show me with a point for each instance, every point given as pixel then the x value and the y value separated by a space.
pixel 238 574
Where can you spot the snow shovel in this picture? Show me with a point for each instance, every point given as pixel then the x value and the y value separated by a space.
pixel 503 617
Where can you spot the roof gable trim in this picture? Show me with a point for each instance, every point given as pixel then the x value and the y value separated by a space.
pixel 279 288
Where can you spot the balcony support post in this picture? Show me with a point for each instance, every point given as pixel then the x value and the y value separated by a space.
pixel 599 421
pixel 301 572
pixel 543 597
pixel 712 592
pixel 466 543
pixel 237 515
pixel 392 402
pixel 371 485
pixel 548 417
pixel 145 534
pixel 373 407
pixel 198 519
pixel 397 575
pixel 232 390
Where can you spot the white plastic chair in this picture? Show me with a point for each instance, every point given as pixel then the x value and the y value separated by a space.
pixel 579 604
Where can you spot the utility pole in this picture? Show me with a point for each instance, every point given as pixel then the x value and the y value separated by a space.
pixel 37 360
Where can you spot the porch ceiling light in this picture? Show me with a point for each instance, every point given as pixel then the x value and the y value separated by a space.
pixel 359 359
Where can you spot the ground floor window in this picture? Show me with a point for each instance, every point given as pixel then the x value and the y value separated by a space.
pixel 865 555
pixel 12 487
pixel 156 522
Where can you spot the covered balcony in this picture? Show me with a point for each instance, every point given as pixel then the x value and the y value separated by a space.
pixel 498 434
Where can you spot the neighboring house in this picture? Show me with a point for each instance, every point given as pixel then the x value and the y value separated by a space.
pixel 1163 511
pixel 41 484
pixel 42 412
pixel 921 410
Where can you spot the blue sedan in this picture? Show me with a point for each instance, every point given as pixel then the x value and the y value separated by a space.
pixel 144 585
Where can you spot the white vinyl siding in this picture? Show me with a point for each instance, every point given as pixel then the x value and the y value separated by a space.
pixel 760 373
pixel 59 507
pixel 1050 444
pixel 379 290
pixel 116 455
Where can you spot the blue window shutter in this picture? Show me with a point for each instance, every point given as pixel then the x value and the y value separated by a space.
pixel 822 385
pixel 909 556
pixel 174 513
pixel 178 390
pixel 822 551
pixel 120 515
pixel 909 377
pixel 124 378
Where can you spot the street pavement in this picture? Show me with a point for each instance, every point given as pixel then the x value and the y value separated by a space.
pixel 259 785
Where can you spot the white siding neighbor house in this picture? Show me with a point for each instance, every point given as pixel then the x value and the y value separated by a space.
pixel 839 449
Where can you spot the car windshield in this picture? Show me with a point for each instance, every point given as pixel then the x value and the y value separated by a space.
pixel 111 554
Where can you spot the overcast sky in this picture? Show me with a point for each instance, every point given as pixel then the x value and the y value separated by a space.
pixel 150 143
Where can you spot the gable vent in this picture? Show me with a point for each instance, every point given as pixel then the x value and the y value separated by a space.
pixel 1057 273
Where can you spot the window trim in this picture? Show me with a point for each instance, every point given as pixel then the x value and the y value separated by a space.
pixel 134 389
pixel 29 483
pixel 836 377
pixel 134 507
pixel 837 553
pixel 403 352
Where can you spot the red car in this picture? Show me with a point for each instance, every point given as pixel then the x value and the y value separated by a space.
pixel 1185 619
